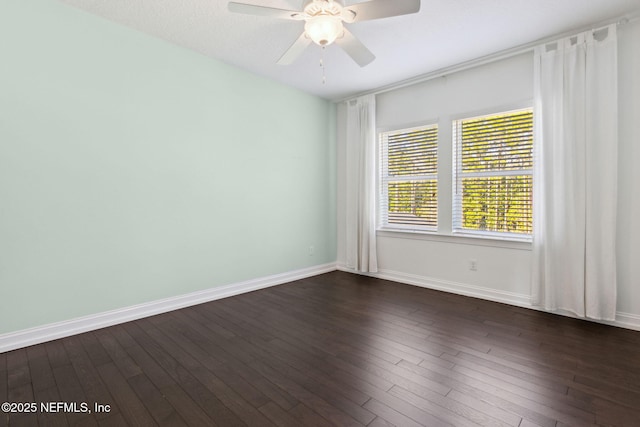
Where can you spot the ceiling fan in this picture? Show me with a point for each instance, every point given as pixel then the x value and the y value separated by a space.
pixel 324 23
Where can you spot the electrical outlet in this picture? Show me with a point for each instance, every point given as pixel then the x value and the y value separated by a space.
pixel 312 250
pixel 473 265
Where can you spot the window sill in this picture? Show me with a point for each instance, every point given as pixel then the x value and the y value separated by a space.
pixel 458 239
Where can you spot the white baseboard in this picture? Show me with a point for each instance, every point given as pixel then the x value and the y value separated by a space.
pixel 452 287
pixel 627 320
pixel 623 320
pixel 52 331
pixel 49 332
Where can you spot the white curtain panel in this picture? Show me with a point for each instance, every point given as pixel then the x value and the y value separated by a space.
pixel 361 184
pixel 575 178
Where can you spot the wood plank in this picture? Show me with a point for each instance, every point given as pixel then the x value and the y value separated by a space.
pixel 443 413
pixel 203 397
pixel 329 392
pixel 130 405
pixel 94 388
pixel 157 405
pixel 45 418
pixel 392 414
pixel 4 418
pixel 18 372
pixel 57 353
pixel 477 390
pixel 278 416
pixel 180 336
pixel 317 404
pixel 70 390
pixel 229 398
pixel 307 417
pixel 502 371
pixel 94 349
pixel 485 408
pixel 117 420
pixel 219 350
pixel 561 407
pixel 40 370
pixel 112 348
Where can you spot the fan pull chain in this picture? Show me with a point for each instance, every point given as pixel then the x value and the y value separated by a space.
pixel 324 77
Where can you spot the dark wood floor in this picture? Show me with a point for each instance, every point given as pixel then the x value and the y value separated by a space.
pixel 336 349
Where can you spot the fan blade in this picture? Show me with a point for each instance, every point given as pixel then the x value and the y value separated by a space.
pixel 376 9
pixel 355 49
pixel 295 50
pixel 252 9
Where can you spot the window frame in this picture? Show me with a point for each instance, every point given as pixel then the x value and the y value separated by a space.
pixel 383 178
pixel 456 171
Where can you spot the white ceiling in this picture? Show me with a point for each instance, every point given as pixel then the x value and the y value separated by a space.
pixel 442 34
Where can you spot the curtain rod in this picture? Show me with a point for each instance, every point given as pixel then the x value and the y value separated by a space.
pixel 504 54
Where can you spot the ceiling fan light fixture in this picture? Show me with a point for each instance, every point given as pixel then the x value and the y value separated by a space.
pixel 324 22
pixel 323 29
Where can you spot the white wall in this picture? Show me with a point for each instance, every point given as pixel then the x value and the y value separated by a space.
pixel 503 272
pixel 629 172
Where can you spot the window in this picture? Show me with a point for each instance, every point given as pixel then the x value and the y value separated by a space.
pixel 409 178
pixel 493 162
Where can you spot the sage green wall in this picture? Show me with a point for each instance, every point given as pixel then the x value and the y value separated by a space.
pixel 133 170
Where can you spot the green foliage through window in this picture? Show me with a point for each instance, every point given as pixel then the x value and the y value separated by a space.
pixel 497 204
pixel 413 202
pixel 409 178
pixel 494 158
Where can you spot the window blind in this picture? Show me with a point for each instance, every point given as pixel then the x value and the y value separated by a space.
pixel 409 183
pixel 493 173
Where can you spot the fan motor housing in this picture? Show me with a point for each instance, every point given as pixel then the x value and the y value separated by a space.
pixel 323 7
